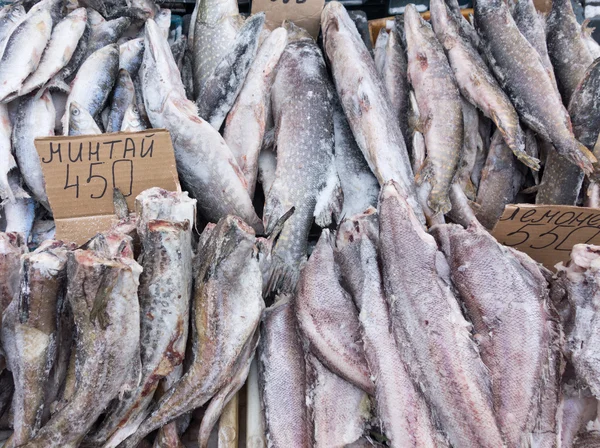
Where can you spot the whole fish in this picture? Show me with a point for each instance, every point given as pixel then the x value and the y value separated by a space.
pixel 103 296
pixel 579 278
pixel 94 82
pixel 328 319
pixel 507 299
pixel 7 160
pixel 336 422
pixel 36 118
pixel 43 281
pixel 221 88
pixel 217 183
pixel 81 121
pixel 131 54
pixel 19 214
pixel 215 28
pixel 283 379
pixel 401 410
pixel 379 50
pixel 441 114
pixel 107 33
pixel 525 79
pixel 429 328
pixel 476 83
pixel 501 179
pixel 359 186
pixel 61 47
pixel 228 290
pixel 365 103
pixel 23 50
pixel 122 97
pixel 247 120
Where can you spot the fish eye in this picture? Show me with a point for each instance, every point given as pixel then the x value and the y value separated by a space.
pixel 75 112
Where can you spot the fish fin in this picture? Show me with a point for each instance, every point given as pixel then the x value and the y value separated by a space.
pixel 584 158
pixel 120 205
pixel 587 30
pixel 531 162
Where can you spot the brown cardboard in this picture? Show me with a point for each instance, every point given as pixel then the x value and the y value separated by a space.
pixel 547 233
pixel 543 5
pixel 304 13
pixel 80 173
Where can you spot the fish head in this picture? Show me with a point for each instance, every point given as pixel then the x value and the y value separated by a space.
pixel 80 120
pixel 78 15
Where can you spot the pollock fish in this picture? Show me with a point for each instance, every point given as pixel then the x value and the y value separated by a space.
pixel 122 97
pixel 283 380
pixel 429 328
pixel 132 120
pixel 81 121
pixel 19 214
pixel 7 160
pixel 102 293
pixel 521 73
pixel 67 73
pixel 36 118
pixel 246 122
pixel 131 54
pixel 402 411
pixel 10 15
pixel 43 281
pixel 107 33
pixel 506 297
pixel 364 100
pixel 222 87
pixel 228 290
pixel 217 183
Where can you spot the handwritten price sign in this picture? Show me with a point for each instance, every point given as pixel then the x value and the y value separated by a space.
pixel 547 233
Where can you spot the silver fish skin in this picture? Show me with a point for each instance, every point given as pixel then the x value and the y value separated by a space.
pixel 477 83
pixel 472 146
pixel 505 299
pixel 519 69
pixel 69 71
pixel 429 328
pixel 163 20
pixel 7 160
pixel 302 106
pixel 61 47
pixel 379 50
pixel 501 179
pixel 43 281
pixel 36 118
pixel 282 378
pixel 12 246
pixel 246 122
pixel 10 15
pixel 94 82
pixel 441 114
pixel 228 290
pixel 364 101
pixel 131 54
pixel 103 295
pixel 23 50
pixel 337 423
pixel 19 214
pixel 215 28
pixel 217 183
pixel 328 319
pixel 122 97
pixel 578 408
pixel 107 33
pixel 362 26
pixel 401 410
pixel 255 426
pixel 579 278
pixel 81 121
pixel 132 120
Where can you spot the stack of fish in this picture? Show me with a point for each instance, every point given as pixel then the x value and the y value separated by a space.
pixel 386 166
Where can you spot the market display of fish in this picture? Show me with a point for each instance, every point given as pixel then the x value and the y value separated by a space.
pixel 326 272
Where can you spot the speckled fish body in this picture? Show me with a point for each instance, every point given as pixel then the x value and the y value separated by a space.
pixel 475 81
pixel 501 180
pixel 107 33
pixel 365 102
pixel 215 28
pixel 282 379
pixel 122 97
pixel 429 328
pixel 23 50
pixel 61 47
pixel 103 296
pixel 522 74
pixel 36 118
pixel 43 281
pixel 579 279
pixel 222 87
pixel 337 423
pixel 94 82
pixel 328 319
pixel 247 120
pixel 302 106
pixel 507 299
pixel 217 183
pixel 228 290
pixel 81 121
pixel 402 411
pixel 440 113
pixel 131 54
pixel 7 160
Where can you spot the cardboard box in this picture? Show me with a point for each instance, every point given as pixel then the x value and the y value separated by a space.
pixel 304 13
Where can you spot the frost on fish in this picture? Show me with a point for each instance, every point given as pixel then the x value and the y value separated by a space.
pixel 578 408
pixel 107 33
pixel 7 161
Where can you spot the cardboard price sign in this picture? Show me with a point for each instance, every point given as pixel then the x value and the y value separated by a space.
pixel 304 13
pixel 547 233
pixel 81 172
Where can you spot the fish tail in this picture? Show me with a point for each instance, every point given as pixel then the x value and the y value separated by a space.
pixel 583 158
pixel 528 160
